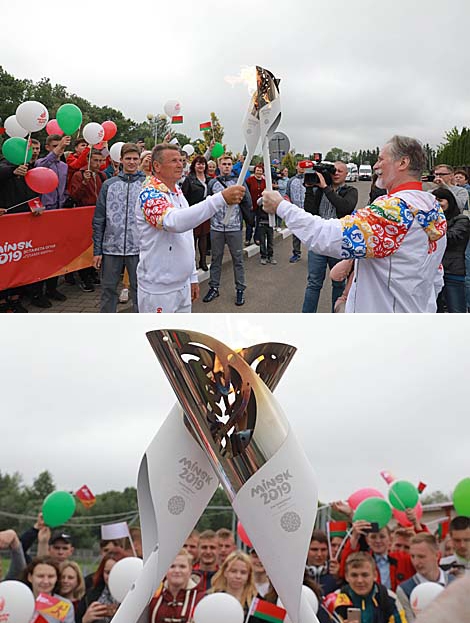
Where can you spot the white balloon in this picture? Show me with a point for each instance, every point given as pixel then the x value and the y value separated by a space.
pixel 189 149
pixel 172 108
pixel 115 151
pixel 123 575
pixel 308 607
pixel 218 607
pixel 32 116
pixel 423 594
pixel 16 602
pixel 93 133
pixel 13 128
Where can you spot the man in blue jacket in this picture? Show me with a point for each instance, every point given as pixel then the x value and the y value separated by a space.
pixel 115 237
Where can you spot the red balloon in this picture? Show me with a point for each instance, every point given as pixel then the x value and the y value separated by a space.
pixel 362 494
pixel 110 129
pixel 402 519
pixel 42 180
pixel 98 146
pixel 53 127
pixel 243 535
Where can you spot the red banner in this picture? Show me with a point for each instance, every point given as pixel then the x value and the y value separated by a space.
pixel 85 496
pixel 33 248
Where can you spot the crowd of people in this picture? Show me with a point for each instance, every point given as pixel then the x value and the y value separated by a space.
pixel 357 567
pixel 407 251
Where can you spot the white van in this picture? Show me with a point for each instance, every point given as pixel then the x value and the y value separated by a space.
pixel 352 172
pixel 365 172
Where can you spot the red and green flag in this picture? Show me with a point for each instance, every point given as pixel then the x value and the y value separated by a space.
pixel 267 611
pixel 337 528
pixel 177 119
pixel 443 529
pixel 204 127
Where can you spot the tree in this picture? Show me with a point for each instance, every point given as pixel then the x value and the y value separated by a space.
pixel 435 498
pixel 215 518
pixel 336 153
pixel 289 162
pixel 43 485
pixel 216 134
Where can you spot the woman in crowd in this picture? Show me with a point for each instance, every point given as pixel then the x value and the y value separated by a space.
pixel 42 575
pixel 146 162
pixel 282 181
pixel 98 603
pixel 72 584
pixel 195 190
pixel 452 296
pixel 179 595
pixel 211 169
pixel 236 578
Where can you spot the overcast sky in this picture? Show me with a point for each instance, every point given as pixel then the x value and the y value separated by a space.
pixel 83 395
pixel 352 73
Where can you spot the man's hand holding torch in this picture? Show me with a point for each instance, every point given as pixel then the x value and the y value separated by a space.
pixel 271 201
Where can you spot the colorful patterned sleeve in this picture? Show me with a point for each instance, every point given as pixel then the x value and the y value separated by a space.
pixel 154 204
pixel 379 229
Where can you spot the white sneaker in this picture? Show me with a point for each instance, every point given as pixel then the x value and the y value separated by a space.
pixel 124 296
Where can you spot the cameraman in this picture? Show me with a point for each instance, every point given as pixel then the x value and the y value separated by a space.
pixel 327 201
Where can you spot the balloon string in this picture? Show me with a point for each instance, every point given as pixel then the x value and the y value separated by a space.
pixel 27 148
pixel 89 157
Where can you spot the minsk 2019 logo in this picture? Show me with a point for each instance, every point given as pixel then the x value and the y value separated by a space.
pixel 13 251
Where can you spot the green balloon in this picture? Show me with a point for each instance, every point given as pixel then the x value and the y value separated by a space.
pixel 461 498
pixel 69 117
pixel 57 508
pixel 374 510
pixel 403 495
pixel 217 150
pixel 14 150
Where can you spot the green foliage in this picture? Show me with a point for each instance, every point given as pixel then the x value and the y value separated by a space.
pixel 290 162
pixel 215 518
pixel 365 156
pixel 216 134
pixel 336 153
pixel 435 498
pixel 456 149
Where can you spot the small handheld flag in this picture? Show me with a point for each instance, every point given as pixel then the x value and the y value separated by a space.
pixel 177 119
pixel 203 127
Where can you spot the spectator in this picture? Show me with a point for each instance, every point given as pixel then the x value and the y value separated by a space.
pixel 424 552
pixel 407 224
pixel 179 595
pixel 260 577
pixel 229 234
pixel 55 146
pixel 194 189
pixel 459 561
pixel 376 602
pixel 9 540
pixel 329 202
pixel 192 545
pixel 461 179
pixel 79 158
pixel 401 539
pixel 211 169
pixel 444 178
pixel 235 577
pixel 36 146
pixel 453 604
pixel 256 184
pixel 452 296
pixel 72 584
pixel 318 568
pixel 42 575
pixel 14 191
pixel 208 552
pixel 283 181
pixel 226 544
pixel 98 603
pixel 295 193
pixel 140 144
pixel 146 162
pixel 60 547
pixel 115 235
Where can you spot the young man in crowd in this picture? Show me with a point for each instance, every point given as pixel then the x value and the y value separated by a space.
pixel 228 233
pixel 424 552
pixel 375 602
pixel 192 546
pixel 459 562
pixel 208 553
pixel 60 547
pixel 256 184
pixel 115 236
pixel 319 568
pixel 226 544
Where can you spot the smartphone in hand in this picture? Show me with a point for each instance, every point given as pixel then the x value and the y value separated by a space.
pixel 354 615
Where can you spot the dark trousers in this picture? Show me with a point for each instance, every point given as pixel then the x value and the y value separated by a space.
pixel 111 268
pixel 233 239
pixel 452 296
pixel 266 236
pixel 37 289
pixel 295 245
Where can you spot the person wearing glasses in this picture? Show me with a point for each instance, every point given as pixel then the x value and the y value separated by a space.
pixel 444 178
pixel 334 201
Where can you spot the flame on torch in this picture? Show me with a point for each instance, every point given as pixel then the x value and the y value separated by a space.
pixel 247 75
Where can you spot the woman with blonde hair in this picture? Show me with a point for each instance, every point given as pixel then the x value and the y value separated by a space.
pixel 236 578
pixel 71 582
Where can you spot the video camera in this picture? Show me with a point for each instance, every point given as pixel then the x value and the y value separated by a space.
pixel 310 170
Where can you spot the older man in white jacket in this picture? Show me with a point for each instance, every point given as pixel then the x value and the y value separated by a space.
pixel 166 274
pixel 398 241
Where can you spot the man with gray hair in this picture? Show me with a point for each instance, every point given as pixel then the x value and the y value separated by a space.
pixel 398 241
pixel 444 178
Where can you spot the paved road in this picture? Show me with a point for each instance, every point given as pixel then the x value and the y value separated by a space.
pixel 270 289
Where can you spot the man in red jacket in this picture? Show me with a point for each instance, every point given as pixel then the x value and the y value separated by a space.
pixel 85 184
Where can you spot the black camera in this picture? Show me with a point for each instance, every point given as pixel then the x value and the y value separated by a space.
pixel 310 170
pixel 428 178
